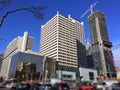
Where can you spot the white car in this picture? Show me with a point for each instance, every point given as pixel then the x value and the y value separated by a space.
pixel 112 85
pixel 101 85
pixel 108 85
pixel 11 83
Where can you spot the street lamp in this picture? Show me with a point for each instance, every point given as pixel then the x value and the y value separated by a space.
pixel 46 73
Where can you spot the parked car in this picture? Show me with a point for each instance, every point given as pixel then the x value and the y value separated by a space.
pixel 101 85
pixel 108 85
pixel 112 85
pixel 21 86
pixel 60 86
pixel 45 87
pixel 3 85
pixel 11 83
pixel 28 86
pixel 34 86
pixel 87 86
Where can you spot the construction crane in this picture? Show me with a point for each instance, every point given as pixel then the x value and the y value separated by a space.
pixel 90 9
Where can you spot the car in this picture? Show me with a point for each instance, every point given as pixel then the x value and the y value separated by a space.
pixel 3 85
pixel 45 87
pixel 21 86
pixel 11 83
pixel 112 85
pixel 34 86
pixel 28 86
pixel 108 85
pixel 87 86
pixel 101 85
pixel 60 86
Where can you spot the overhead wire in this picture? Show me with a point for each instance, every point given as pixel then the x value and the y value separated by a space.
pixel 116 47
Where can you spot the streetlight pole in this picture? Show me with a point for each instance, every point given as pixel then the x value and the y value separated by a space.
pixel 61 73
pixel 46 72
pixel 109 71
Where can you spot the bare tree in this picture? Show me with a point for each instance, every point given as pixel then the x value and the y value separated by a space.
pixel 35 10
pixel 4 3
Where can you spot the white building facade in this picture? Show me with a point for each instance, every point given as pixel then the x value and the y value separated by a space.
pixel 18 44
pixel 88 74
pixel 59 38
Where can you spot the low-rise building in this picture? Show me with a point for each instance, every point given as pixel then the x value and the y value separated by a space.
pixel 88 74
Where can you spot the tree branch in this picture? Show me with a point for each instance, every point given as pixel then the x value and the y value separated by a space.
pixel 35 10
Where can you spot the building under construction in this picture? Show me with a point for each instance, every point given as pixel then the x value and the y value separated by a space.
pixel 100 50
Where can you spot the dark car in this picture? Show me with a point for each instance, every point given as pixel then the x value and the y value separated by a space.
pixel 34 86
pixel 60 86
pixel 20 86
pixel 28 86
pixel 45 87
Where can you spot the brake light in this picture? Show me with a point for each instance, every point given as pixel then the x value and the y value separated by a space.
pixel 60 87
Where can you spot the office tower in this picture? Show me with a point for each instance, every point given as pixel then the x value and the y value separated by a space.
pixel 18 44
pixel 101 46
pixel 61 37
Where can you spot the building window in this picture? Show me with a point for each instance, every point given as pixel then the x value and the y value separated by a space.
pixel 66 76
pixel 91 75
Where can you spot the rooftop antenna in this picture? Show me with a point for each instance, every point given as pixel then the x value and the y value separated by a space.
pixel 90 9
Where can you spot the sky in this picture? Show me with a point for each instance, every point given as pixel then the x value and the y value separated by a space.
pixel 17 23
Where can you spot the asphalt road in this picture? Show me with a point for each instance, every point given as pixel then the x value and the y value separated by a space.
pixel 5 89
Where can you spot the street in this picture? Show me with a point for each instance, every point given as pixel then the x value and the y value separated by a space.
pixel 5 89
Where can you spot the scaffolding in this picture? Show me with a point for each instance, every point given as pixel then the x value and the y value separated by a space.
pixel 111 58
